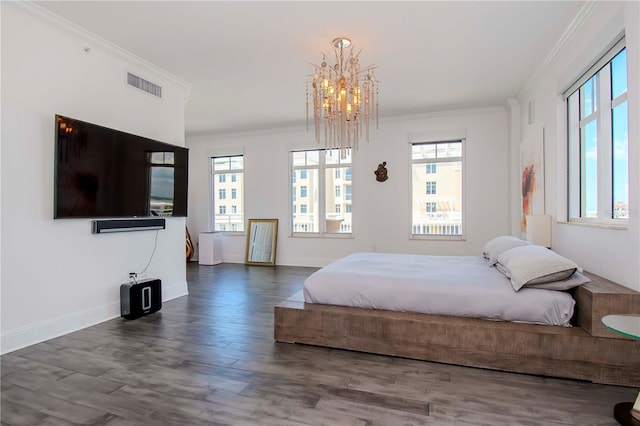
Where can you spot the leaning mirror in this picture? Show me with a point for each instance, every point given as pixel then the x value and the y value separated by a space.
pixel 261 242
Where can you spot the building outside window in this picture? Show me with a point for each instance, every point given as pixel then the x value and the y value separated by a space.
pixel 228 175
pixel 598 146
pixel 328 178
pixel 436 188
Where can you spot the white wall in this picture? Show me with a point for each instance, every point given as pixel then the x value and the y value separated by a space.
pixel 56 276
pixel 614 254
pixel 380 210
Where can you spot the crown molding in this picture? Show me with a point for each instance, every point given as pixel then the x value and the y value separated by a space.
pixel 569 33
pixel 203 136
pixel 47 17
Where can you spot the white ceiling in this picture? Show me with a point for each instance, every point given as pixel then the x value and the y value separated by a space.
pixel 247 61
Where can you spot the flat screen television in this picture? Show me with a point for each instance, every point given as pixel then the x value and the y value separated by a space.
pixel 106 173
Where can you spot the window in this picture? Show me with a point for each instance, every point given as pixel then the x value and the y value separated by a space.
pixel 431 187
pixel 598 149
pixel 321 211
pixel 436 188
pixel 228 175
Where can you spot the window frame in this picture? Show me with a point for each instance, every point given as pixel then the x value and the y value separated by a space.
pixel 439 138
pixel 603 116
pixel 215 182
pixel 322 167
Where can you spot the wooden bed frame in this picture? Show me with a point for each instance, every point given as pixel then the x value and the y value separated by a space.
pixel 587 351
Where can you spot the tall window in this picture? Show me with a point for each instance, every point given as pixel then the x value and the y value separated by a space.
pixel 228 175
pixel 598 150
pixel 436 188
pixel 328 176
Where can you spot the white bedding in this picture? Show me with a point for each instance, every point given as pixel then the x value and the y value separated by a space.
pixel 463 286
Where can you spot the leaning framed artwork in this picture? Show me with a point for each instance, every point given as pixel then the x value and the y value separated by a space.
pixel 532 176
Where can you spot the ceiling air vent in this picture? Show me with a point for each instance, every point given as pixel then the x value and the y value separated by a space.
pixel 144 85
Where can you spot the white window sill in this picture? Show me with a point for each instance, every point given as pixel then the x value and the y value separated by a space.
pixel 602 225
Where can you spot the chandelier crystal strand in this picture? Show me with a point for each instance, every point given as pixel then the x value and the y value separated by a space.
pixel 344 95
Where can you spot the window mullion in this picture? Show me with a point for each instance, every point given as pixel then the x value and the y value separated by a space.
pixel 573 145
pixel 604 144
pixel 322 208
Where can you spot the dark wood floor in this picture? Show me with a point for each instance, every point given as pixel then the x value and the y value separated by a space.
pixel 209 358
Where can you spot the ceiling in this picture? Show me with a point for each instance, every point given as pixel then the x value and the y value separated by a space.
pixel 247 61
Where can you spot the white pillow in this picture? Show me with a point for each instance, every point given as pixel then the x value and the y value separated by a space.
pixel 495 247
pixel 575 280
pixel 535 265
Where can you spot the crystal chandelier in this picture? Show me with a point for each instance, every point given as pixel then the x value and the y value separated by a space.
pixel 344 98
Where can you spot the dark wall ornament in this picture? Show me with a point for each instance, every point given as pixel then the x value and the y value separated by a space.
pixel 381 172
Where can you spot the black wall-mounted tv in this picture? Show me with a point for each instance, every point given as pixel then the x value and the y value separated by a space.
pixel 106 173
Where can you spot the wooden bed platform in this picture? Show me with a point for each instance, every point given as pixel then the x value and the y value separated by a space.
pixel 587 351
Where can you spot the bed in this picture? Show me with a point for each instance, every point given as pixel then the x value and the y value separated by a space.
pixel 462 286
pixel 586 350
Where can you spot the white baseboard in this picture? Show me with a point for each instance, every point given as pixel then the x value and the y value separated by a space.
pixel 30 335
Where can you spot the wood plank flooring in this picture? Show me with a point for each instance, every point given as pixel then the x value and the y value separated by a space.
pixel 209 358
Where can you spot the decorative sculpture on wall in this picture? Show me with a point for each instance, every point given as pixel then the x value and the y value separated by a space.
pixel 381 172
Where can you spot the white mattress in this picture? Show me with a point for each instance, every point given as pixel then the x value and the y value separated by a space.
pixel 464 286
